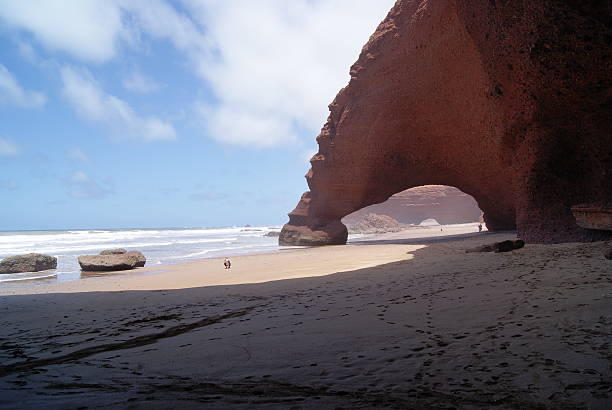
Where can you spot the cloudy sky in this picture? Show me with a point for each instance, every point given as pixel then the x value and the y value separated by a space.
pixel 159 113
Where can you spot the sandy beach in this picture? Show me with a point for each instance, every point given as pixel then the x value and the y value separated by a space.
pixel 407 322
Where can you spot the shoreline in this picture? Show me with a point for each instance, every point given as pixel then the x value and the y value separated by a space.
pixel 257 267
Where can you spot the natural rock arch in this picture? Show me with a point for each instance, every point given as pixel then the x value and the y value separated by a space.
pixel 506 101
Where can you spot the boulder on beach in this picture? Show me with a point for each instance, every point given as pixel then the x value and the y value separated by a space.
pixel 112 262
pixel 503 246
pixel 139 257
pixel 117 251
pixel 31 262
pixel 272 234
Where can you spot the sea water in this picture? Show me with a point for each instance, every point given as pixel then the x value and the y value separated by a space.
pixel 160 246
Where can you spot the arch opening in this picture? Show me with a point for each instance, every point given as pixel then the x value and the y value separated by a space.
pixel 426 205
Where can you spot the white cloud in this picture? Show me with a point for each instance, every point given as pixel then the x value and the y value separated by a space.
pixel 278 64
pixel 273 66
pixel 160 20
pixel 140 83
pixel 93 30
pixel 78 154
pixel 8 148
pixel 13 93
pixel 81 186
pixel 91 102
pixel 86 29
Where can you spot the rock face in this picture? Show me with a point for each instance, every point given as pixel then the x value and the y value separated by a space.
pixel 507 101
pixel 117 251
pixel 593 216
pixel 111 261
pixel 138 257
pixel 374 223
pixel 31 262
pixel 445 204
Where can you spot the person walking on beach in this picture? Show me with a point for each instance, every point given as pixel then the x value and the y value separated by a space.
pixel 479 227
pixel 227 263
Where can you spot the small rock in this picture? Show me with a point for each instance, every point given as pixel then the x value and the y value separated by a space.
pixel 272 234
pixel 31 262
pixel 503 246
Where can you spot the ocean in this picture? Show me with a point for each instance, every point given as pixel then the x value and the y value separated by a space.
pixel 160 246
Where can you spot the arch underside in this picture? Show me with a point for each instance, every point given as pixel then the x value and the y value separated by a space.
pixel 447 94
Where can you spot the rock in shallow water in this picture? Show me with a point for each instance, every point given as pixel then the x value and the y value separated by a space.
pixel 31 262
pixel 112 262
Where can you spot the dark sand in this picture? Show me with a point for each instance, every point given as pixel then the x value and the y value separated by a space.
pixel 445 329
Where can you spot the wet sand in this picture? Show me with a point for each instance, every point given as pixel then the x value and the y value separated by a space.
pixel 422 325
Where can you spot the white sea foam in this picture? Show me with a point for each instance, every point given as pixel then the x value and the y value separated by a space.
pixel 14 278
pixel 160 246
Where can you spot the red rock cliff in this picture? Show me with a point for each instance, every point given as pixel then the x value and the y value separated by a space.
pixel 508 101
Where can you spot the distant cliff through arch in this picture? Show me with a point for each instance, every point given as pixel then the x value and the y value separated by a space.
pixel 445 204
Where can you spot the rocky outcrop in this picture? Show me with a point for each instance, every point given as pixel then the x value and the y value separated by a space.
pixel 507 101
pixel 374 223
pixel 593 216
pixel 503 246
pixel 112 261
pixel 138 257
pixel 445 204
pixel 117 251
pixel 31 262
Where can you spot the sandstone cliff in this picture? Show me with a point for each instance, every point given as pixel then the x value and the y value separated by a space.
pixel 509 101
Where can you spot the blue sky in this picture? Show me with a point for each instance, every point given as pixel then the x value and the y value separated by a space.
pixel 130 113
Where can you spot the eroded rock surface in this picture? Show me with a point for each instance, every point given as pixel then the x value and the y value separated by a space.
pixel 31 262
pixel 593 216
pixel 117 251
pixel 138 257
pixel 111 262
pixel 507 101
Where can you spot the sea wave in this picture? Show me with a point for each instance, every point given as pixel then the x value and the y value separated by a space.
pixel 16 279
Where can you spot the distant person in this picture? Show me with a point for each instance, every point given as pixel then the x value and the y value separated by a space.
pixel 479 227
pixel 227 263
